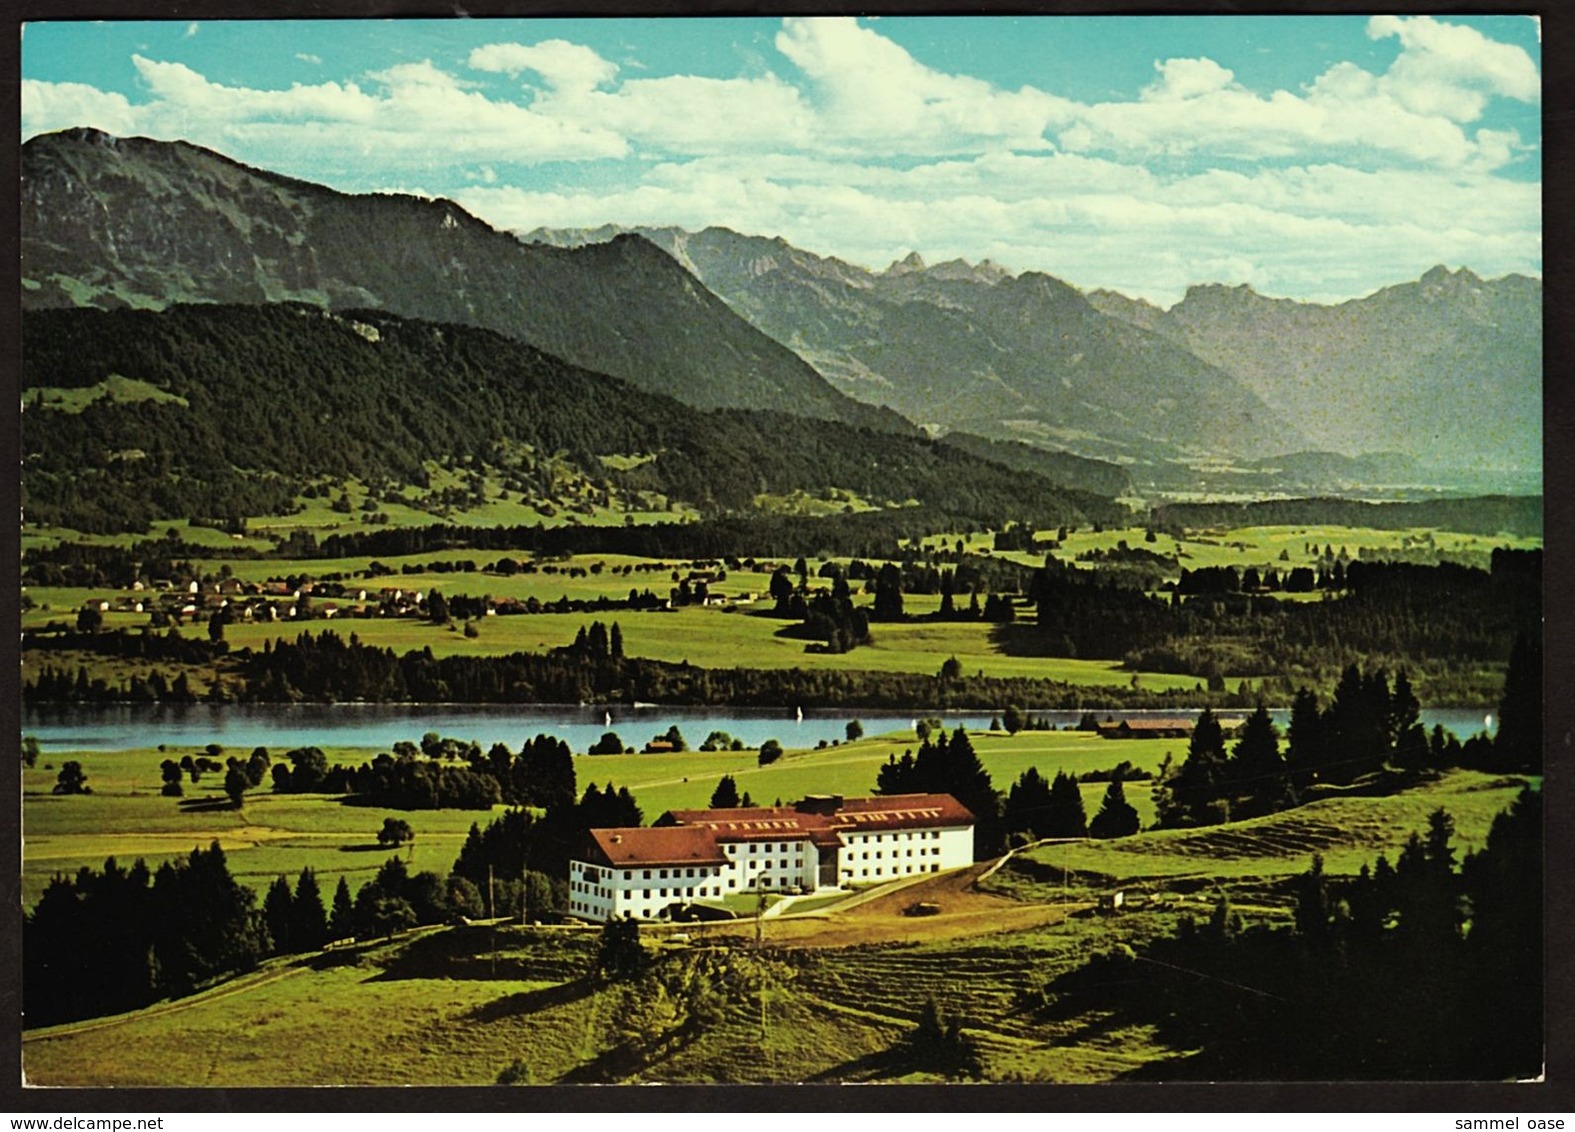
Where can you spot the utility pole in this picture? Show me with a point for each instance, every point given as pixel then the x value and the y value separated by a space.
pixel 492 926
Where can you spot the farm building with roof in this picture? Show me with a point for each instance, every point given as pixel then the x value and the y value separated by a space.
pixel 822 842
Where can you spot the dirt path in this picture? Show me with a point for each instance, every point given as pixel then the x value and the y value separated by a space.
pixel 879 916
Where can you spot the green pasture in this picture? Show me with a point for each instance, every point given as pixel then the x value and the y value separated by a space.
pixel 269 835
pixel 1349 832
pixel 714 638
pixel 710 637
pixel 457 1005
pixel 272 834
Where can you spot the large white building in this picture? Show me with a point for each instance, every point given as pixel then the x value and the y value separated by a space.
pixel 823 842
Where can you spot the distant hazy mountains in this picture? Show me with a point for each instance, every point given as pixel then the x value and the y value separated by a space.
pixel 1447 369
pixel 112 222
pixel 1444 373
pixel 973 348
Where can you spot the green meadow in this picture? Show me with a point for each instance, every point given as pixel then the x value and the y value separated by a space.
pixel 272 834
pixel 454 1006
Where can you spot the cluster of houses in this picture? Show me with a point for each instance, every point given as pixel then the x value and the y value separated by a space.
pixel 250 601
pixel 693 858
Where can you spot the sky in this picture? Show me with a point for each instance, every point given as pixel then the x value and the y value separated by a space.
pixel 1312 157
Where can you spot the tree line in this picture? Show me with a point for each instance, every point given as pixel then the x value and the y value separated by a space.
pixel 1369 730
pixel 1427 969
pixel 1516 515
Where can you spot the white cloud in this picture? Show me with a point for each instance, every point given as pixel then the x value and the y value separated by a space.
pixel 415 113
pixel 871 94
pixel 1324 232
pixel 58 106
pixel 564 65
pixel 1444 76
pixel 859 150
pixel 1451 70
pixel 315 60
pixel 191 30
pixel 1189 78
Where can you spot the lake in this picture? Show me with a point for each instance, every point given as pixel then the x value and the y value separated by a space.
pixel 281 727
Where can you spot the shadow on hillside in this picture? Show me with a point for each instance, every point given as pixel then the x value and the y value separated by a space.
pixel 530 1002
pixel 394 849
pixel 870 1067
pixel 605 1068
pixel 1019 639
pixel 622 1061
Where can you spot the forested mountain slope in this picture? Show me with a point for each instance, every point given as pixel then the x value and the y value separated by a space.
pixel 240 406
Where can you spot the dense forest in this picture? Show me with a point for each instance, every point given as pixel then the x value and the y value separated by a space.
pixel 1519 515
pixel 245 407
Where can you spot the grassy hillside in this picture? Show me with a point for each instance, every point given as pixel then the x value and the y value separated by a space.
pixel 464 1005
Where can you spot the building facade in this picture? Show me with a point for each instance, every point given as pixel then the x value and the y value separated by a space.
pixel 821 842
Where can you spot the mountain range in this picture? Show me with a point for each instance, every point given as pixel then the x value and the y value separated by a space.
pixel 1444 369
pixel 973 348
pixel 111 222
pixel 1441 376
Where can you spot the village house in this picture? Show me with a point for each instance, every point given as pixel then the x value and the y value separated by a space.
pixel 824 841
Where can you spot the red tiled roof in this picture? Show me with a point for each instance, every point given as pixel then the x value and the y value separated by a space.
pixel 669 845
pixel 752 823
pixel 770 823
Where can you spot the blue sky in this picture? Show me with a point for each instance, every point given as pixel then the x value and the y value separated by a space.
pixel 1312 157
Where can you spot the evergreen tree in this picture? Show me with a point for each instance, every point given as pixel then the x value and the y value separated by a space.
pixel 1028 805
pixel 1068 818
pixel 308 920
pixel 937 1045
pixel 1193 791
pixel 888 594
pixel 725 796
pixel 1116 817
pixel 276 916
pixel 1307 752
pixel 1256 770
pixel 1313 908
pixel 341 921
pixel 1518 745
pixel 621 957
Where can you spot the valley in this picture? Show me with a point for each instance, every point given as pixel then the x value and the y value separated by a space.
pixel 1220 623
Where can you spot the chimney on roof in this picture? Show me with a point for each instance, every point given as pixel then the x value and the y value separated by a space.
pixel 617 839
pixel 819 804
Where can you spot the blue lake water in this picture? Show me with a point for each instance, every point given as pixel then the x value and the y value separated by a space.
pixel 380 726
